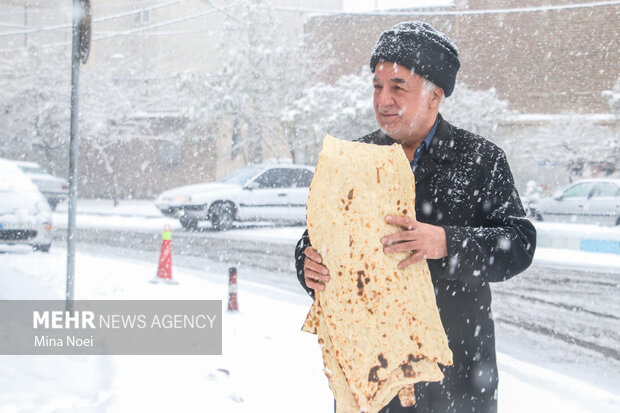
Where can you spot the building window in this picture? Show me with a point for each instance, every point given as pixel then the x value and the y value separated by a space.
pixel 142 17
pixel 169 154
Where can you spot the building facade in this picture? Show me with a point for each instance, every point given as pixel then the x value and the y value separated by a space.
pixel 552 60
pixel 142 138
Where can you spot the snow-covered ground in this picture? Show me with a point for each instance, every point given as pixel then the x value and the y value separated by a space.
pixel 267 363
pixel 263 350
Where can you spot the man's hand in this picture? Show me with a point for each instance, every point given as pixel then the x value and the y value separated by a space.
pixel 315 273
pixel 423 240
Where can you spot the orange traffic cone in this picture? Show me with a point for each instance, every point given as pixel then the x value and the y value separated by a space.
pixel 164 269
pixel 232 290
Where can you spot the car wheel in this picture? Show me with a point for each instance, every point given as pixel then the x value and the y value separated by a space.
pixel 189 223
pixel 222 216
pixel 42 247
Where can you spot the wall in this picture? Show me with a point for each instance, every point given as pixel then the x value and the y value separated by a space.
pixel 543 61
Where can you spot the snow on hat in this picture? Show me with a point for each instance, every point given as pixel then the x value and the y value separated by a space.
pixel 421 48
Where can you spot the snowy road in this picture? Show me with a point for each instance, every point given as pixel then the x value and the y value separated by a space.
pixel 573 306
pixel 565 317
pixel 236 249
pixel 570 316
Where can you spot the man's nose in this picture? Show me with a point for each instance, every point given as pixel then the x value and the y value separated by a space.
pixel 384 97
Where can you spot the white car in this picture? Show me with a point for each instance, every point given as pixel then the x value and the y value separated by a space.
pixel 255 192
pixel 590 201
pixel 54 189
pixel 25 216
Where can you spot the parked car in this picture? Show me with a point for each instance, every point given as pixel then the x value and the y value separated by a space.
pixel 255 192
pixel 590 201
pixel 54 189
pixel 25 216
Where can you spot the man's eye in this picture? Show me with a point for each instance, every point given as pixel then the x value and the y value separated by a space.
pixel 377 86
pixel 398 88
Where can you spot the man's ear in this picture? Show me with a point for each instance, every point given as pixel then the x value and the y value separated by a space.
pixel 436 97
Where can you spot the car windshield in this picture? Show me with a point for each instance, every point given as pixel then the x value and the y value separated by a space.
pixel 240 176
pixel 579 190
pixel 31 169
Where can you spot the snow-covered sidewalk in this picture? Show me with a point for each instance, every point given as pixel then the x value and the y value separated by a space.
pixel 142 215
pixel 267 363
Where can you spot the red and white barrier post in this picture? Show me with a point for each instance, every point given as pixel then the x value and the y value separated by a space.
pixel 232 290
pixel 164 267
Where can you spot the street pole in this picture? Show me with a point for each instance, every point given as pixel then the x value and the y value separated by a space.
pixel 26 24
pixel 79 51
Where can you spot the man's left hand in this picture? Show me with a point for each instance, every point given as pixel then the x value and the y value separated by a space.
pixel 423 240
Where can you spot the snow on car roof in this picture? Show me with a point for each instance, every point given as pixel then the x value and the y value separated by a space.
pixel 21 163
pixel 12 179
pixel 614 180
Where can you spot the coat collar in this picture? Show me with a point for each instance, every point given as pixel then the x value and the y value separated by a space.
pixel 441 151
pixel 442 145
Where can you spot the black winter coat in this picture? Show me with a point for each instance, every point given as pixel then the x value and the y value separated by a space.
pixel 464 184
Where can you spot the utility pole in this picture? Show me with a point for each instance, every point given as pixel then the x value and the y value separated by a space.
pixel 458 18
pixel 26 24
pixel 79 52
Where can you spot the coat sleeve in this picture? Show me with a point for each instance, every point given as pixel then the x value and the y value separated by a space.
pixel 503 243
pixel 302 244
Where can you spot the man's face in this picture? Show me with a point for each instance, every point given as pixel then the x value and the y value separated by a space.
pixel 402 106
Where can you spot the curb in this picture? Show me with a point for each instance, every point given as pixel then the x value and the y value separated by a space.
pixel 578 237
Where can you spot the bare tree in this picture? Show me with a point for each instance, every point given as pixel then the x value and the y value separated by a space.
pixel 613 98
pixel 259 71
pixel 344 109
pixel 478 111
pixel 34 91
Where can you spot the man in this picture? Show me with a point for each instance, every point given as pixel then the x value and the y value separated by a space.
pixel 470 223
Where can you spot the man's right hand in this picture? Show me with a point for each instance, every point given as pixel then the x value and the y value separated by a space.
pixel 315 273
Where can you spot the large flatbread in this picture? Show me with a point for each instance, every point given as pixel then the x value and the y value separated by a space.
pixel 378 326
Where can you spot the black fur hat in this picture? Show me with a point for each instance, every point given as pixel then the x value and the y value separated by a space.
pixel 421 48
